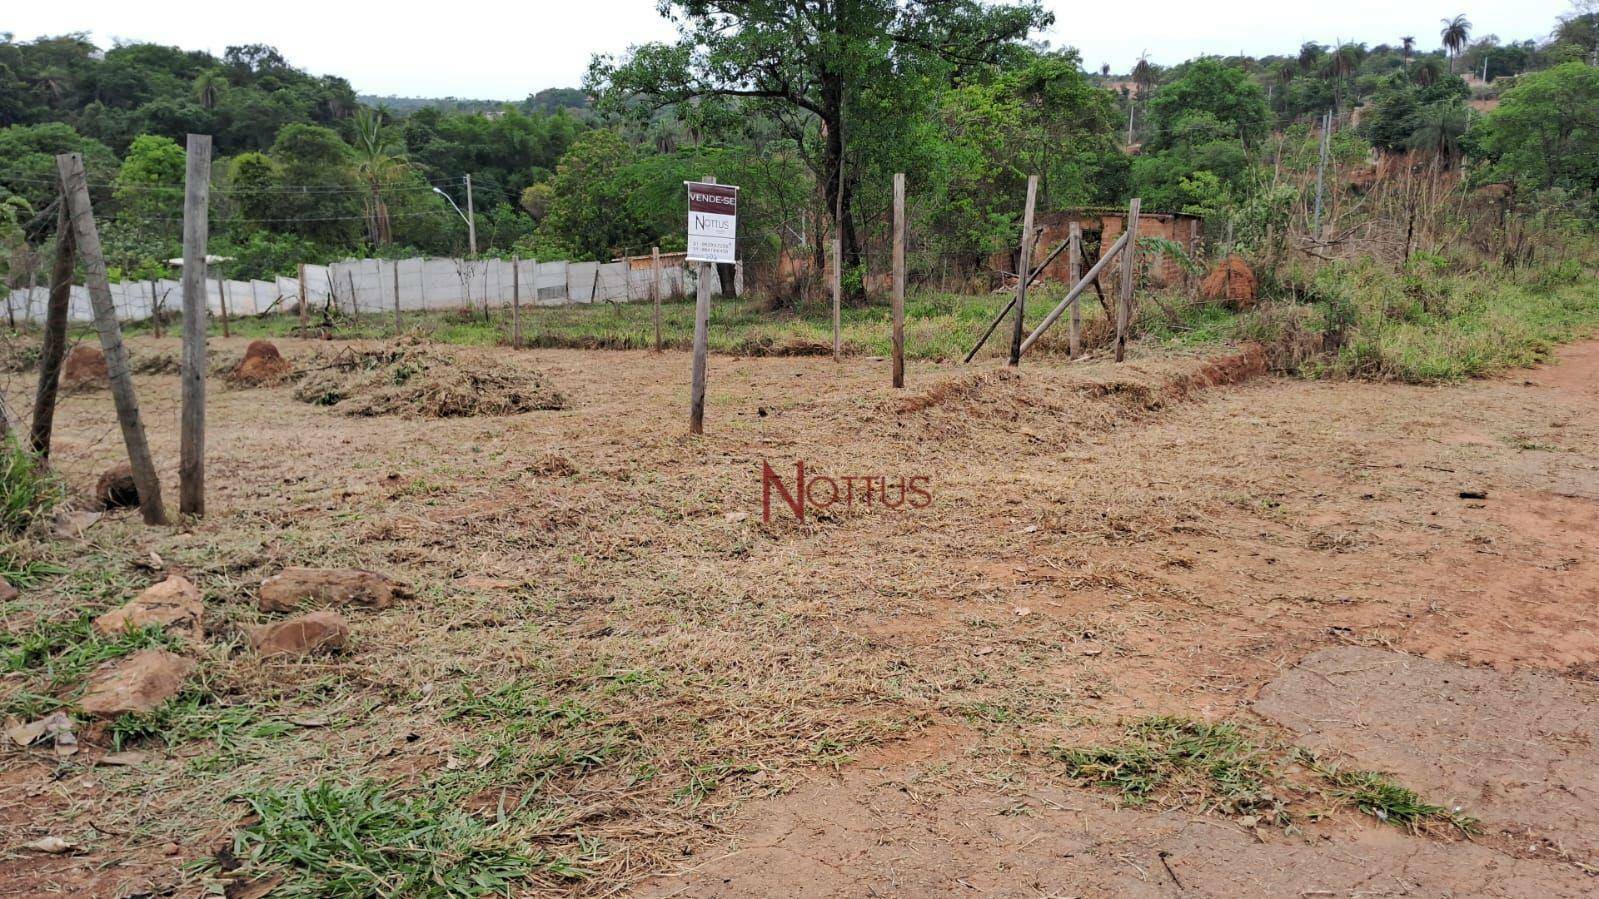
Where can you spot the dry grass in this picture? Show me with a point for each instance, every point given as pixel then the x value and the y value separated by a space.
pixel 609 651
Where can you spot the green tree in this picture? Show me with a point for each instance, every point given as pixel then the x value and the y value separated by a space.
pixel 379 160
pixel 1208 85
pixel 808 64
pixel 320 196
pixel 1455 33
pixel 1545 131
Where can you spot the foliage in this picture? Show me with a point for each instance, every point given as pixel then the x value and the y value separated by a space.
pixel 363 840
pixel 1545 132
pixel 29 491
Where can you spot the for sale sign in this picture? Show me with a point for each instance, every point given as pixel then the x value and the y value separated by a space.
pixel 712 221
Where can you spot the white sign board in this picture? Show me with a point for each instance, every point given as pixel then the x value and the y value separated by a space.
pixel 712 221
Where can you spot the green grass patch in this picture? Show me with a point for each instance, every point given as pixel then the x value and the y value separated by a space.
pixel 362 840
pixel 1178 761
pixel 29 492
pixel 55 655
pixel 1377 795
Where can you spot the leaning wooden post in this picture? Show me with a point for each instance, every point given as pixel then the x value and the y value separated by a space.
pixel 702 338
pixel 76 187
pixel 655 292
pixel 222 300
pixel 1124 309
pixel 55 335
pixel 303 312
pixel 1024 269
pixel 516 302
pixel 1074 273
pixel 396 270
pixel 899 279
pixel 155 308
pixel 192 370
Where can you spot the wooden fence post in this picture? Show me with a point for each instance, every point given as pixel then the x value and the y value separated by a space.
pixel 702 338
pixel 1124 309
pixel 155 308
pixel 838 299
pixel 396 271
pixel 192 370
pixel 655 292
pixel 303 314
pixel 1074 273
pixel 222 301
pixel 76 186
pixel 899 279
pixel 55 334
pixel 1024 269
pixel 516 302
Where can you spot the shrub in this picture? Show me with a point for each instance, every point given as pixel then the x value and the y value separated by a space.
pixel 28 491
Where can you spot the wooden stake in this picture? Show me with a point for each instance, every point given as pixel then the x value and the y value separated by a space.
pixel 76 186
pixel 1024 270
pixel 1074 273
pixel 303 313
pixel 55 335
pixel 396 265
pixel 838 299
pixel 1124 309
pixel 899 279
pixel 192 370
pixel 516 302
pixel 1073 295
pixel 222 300
pixel 702 326
pixel 155 308
pixel 655 292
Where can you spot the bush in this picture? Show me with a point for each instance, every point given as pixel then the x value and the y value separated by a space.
pixel 28 491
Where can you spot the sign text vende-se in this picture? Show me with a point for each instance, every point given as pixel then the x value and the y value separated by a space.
pixel 712 221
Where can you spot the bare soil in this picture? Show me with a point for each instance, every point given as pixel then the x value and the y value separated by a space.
pixel 862 703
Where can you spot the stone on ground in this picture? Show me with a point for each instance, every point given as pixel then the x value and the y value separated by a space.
pixel 138 683
pixel 115 489
pixel 321 631
pixel 297 588
pixel 173 603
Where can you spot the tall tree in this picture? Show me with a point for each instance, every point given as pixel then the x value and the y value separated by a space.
pixel 1455 33
pixel 1407 46
pixel 379 159
pixel 807 63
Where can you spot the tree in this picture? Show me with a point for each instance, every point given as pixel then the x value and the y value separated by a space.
pixel 1407 46
pixel 322 199
pixel 1455 33
pixel 1207 85
pixel 1341 65
pixel 1545 131
pixel 379 158
pixel 810 64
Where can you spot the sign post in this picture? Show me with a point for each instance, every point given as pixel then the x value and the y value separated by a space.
pixel 712 230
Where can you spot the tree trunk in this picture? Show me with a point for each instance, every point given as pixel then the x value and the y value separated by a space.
pixel 55 336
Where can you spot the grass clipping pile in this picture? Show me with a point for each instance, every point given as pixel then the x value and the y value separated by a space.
pixel 418 382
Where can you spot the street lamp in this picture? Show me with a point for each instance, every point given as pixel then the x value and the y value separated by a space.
pixel 471 226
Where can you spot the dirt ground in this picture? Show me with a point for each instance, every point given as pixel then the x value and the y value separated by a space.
pixel 865 704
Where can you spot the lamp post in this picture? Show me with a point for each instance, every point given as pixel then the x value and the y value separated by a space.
pixel 471 227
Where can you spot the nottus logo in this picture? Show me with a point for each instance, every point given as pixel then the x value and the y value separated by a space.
pixel 819 493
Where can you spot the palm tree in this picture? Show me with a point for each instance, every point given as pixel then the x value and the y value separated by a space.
pixel 1341 64
pixel 208 87
pixel 1407 46
pixel 1104 70
pixel 1439 133
pixel 1455 33
pixel 1427 71
pixel 378 159
pixel 1144 74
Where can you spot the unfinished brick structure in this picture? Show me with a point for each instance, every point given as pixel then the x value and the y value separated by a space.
pixel 1101 227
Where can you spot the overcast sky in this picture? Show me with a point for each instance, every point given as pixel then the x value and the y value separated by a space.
pixel 498 50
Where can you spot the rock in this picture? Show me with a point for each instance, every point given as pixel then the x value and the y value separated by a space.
pixel 84 368
pixel 138 683
pixel 296 588
pixel 175 602
pixel 262 365
pixel 115 489
pixel 67 524
pixel 7 592
pixel 322 631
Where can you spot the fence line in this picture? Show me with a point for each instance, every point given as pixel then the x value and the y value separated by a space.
pixel 368 286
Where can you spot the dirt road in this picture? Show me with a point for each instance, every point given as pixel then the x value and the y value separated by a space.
pixel 874 702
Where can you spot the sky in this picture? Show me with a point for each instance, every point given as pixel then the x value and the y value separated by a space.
pixel 499 50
